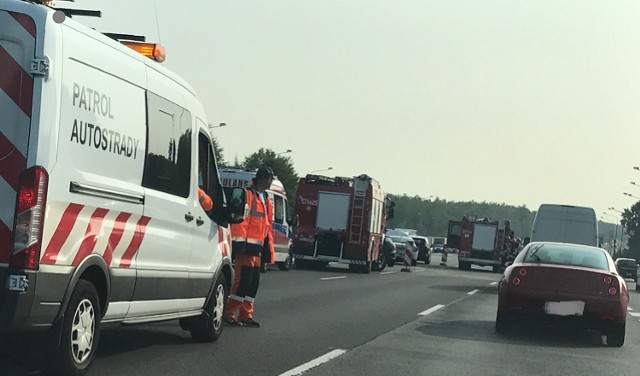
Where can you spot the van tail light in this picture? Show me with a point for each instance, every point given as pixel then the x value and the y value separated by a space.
pixel 29 218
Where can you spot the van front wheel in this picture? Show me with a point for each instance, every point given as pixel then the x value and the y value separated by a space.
pixel 208 327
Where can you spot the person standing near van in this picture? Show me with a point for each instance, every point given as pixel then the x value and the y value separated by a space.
pixel 249 238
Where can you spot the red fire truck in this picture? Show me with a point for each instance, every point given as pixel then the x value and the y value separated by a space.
pixel 479 241
pixel 340 219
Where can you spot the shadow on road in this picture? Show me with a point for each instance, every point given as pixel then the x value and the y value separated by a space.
pixel 535 335
pixel 23 355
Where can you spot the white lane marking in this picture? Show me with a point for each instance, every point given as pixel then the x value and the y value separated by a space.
pixel 472 292
pixel 634 314
pixel 314 363
pixel 419 270
pixel 493 283
pixel 629 309
pixel 330 278
pixel 385 273
pixel 431 310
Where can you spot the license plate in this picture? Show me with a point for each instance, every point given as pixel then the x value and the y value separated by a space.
pixel 569 308
pixel 18 283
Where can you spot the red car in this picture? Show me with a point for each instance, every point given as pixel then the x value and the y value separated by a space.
pixel 564 283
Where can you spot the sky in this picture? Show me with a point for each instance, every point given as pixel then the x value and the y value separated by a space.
pixel 518 102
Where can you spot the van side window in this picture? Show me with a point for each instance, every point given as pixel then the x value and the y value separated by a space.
pixel 278 209
pixel 208 176
pixel 168 161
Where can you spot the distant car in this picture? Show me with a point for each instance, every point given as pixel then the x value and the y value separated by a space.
pixel 402 241
pixel 437 244
pixel 561 283
pixel 627 268
pixel 424 248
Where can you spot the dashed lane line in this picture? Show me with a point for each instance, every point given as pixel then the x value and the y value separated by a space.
pixel 385 273
pixel 493 283
pixel 472 292
pixel 431 310
pixel 332 278
pixel 314 363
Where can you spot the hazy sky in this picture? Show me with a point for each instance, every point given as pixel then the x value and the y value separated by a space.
pixel 521 102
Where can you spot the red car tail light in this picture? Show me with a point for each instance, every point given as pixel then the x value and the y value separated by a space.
pixel 522 272
pixel 516 281
pixel 607 280
pixel 612 291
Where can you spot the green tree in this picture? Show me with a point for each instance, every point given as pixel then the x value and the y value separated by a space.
pixel 282 167
pixel 631 224
pixel 218 150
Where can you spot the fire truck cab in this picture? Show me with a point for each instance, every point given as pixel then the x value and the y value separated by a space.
pixel 282 224
pixel 342 220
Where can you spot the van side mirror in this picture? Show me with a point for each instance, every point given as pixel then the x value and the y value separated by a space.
pixel 526 241
pixel 293 221
pixel 237 205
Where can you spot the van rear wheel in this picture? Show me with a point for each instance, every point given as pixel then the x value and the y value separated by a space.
pixel 80 331
pixel 286 264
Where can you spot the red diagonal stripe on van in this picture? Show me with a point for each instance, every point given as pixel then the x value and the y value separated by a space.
pixel 12 163
pixel 90 235
pixel 141 227
pixel 14 81
pixel 26 22
pixel 116 236
pixel 61 234
pixel 5 243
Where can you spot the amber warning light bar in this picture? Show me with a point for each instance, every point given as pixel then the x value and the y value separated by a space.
pixel 151 50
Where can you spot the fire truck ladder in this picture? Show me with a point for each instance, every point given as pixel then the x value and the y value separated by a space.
pixel 357 217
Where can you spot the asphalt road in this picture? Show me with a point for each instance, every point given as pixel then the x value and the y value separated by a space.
pixel 371 321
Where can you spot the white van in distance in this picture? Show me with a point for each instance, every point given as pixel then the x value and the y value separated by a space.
pixel 565 224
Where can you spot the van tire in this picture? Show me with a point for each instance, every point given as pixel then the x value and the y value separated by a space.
pixel 286 264
pixel 81 320
pixel 208 327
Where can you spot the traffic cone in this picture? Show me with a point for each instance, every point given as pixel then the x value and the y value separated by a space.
pixel 407 260
pixel 443 261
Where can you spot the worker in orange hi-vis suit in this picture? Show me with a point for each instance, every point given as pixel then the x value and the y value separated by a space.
pixel 248 240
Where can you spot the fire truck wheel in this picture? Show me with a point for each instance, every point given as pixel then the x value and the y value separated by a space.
pixel 208 327
pixel 80 331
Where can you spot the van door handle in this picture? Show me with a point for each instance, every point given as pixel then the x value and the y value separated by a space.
pixel 199 221
pixel 188 217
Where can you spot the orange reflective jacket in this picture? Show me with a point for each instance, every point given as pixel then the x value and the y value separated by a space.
pixel 249 236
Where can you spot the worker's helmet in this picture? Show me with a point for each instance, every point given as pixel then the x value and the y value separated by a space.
pixel 264 172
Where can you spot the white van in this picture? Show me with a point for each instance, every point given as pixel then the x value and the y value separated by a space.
pixel 100 150
pixel 565 224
